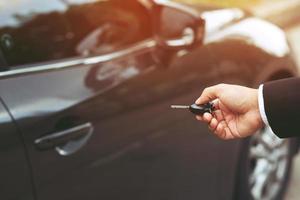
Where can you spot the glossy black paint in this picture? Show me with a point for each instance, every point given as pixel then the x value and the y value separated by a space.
pixel 140 148
pixel 16 182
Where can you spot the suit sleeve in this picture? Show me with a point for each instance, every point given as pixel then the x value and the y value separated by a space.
pixel 282 106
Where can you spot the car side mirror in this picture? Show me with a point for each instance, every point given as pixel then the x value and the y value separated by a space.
pixel 176 26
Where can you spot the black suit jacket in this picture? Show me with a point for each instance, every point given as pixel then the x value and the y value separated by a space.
pixel 282 106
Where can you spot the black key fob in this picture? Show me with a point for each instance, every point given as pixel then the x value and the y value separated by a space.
pixel 201 109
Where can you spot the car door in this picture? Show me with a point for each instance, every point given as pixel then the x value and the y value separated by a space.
pixel 15 182
pixel 93 105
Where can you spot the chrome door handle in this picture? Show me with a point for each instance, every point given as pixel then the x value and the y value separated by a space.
pixel 66 142
pixel 188 37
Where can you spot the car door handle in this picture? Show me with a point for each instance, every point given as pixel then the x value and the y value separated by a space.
pixel 67 141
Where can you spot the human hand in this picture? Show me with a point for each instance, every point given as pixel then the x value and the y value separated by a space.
pixel 236 112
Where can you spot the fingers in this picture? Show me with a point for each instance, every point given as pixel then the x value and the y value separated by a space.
pixel 209 94
pixel 210 120
pixel 217 124
pixel 223 132
pixel 205 118
pixel 216 105
pixel 218 115
pixel 220 130
pixel 198 117
pixel 213 124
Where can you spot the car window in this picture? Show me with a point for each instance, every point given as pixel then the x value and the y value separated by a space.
pixel 33 31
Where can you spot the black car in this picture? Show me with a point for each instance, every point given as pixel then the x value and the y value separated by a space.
pixel 86 88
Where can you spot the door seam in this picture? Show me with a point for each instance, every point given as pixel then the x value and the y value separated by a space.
pixel 24 147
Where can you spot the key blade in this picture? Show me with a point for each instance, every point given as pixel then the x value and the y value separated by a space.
pixel 180 107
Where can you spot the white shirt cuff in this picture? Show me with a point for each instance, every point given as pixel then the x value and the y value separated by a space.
pixel 261 104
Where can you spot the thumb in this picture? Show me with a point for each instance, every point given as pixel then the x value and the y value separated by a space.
pixel 208 94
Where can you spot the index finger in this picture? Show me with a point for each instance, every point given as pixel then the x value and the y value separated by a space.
pixel 208 94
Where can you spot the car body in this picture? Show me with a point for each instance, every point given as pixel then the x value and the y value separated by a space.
pixel 94 68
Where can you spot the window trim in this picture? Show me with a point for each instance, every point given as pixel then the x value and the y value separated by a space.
pixel 75 61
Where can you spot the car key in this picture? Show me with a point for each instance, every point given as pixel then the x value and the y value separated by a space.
pixel 196 109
